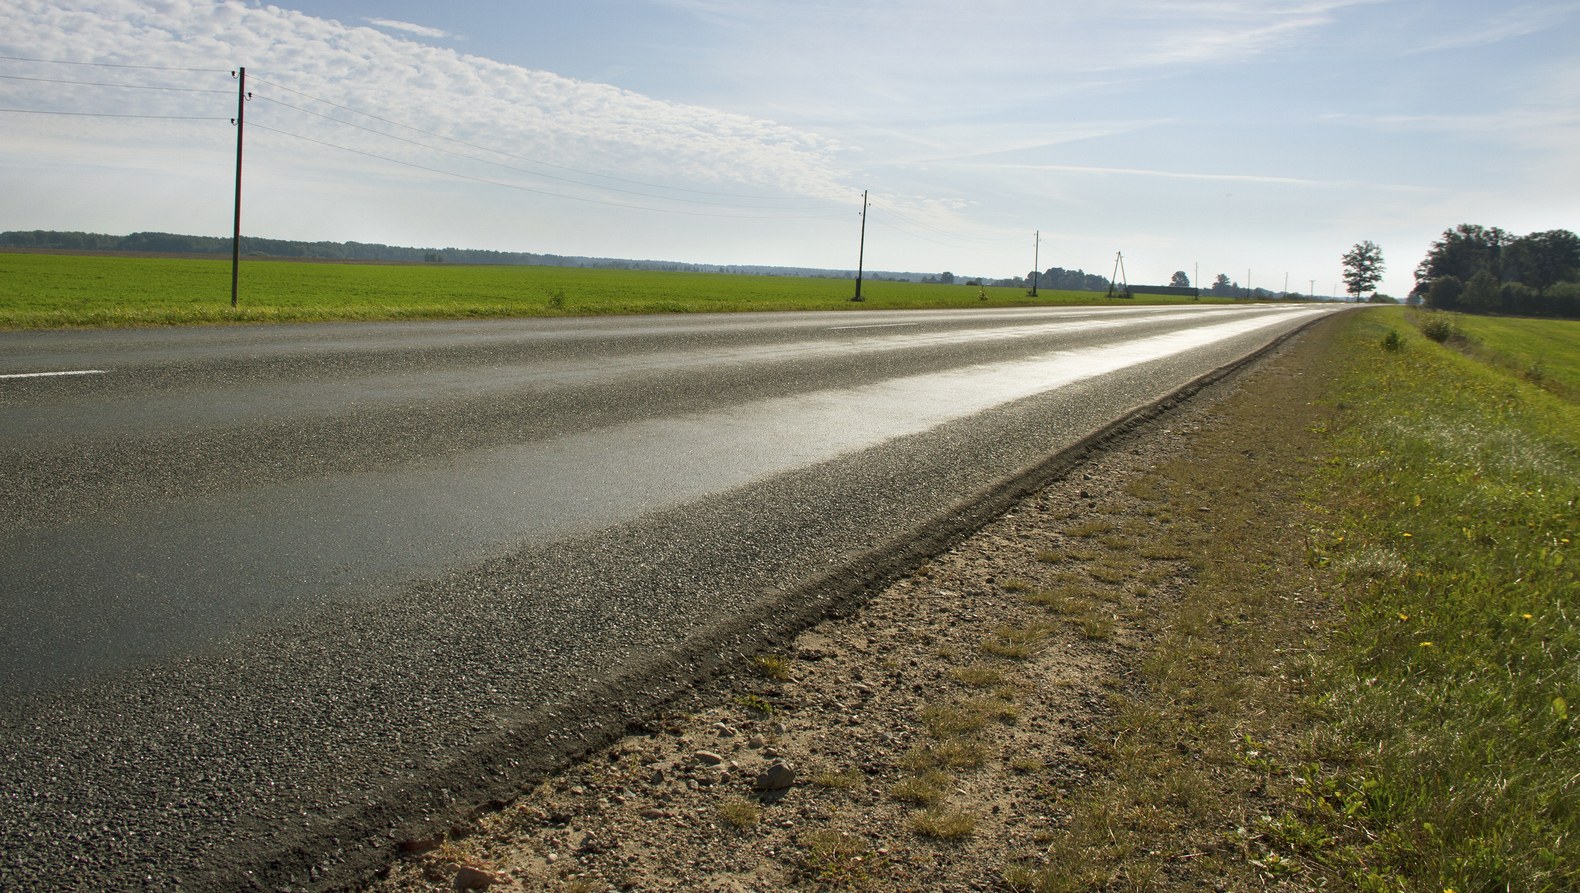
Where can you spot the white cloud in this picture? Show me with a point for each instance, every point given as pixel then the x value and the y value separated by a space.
pixel 531 114
pixel 408 27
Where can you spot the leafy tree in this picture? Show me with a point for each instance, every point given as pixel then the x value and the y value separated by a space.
pixel 1363 268
pixel 1443 293
pixel 1180 280
pixel 1482 293
pixel 1463 252
pixel 1541 259
pixel 1222 285
pixel 947 278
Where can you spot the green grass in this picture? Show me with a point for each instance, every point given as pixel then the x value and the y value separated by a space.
pixel 1461 489
pixel 1534 349
pixel 57 291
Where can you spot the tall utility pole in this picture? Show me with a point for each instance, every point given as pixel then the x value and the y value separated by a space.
pixel 1313 288
pixel 1248 292
pixel 1286 283
pixel 235 245
pixel 861 251
pixel 1036 259
pixel 1197 281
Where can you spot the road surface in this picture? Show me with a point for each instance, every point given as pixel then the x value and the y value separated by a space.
pixel 277 597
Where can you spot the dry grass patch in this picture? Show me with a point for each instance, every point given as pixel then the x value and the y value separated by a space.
pixel 1018 642
pixel 1094 527
pixel 739 812
pixel 978 675
pixel 952 824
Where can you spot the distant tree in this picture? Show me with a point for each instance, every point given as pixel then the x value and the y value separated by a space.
pixel 1363 268
pixel 1222 285
pixel 1180 280
pixel 1541 259
pixel 947 278
pixel 1482 294
pixel 1443 293
pixel 1462 252
pixel 1380 298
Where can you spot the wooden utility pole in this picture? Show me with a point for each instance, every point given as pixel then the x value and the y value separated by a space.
pixel 235 245
pixel 861 251
pixel 1036 260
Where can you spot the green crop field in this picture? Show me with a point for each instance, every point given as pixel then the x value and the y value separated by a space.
pixel 60 291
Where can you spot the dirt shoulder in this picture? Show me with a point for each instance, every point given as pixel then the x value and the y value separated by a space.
pixel 1083 695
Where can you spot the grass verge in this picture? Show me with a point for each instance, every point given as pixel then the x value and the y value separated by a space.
pixel 1370 686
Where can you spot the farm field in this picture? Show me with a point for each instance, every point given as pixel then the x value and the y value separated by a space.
pixel 63 291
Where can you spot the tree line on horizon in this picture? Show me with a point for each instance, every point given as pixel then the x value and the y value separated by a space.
pixel 1476 269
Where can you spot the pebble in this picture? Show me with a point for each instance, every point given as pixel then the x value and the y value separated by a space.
pixel 778 728
pixel 470 878
pixel 775 778
pixel 708 758
pixel 754 742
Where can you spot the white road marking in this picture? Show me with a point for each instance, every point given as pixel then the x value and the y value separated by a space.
pixel 886 325
pixel 53 374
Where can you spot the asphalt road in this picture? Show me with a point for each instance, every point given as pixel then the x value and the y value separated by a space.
pixel 277 597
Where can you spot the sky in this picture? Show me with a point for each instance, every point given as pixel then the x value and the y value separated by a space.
pixel 1256 138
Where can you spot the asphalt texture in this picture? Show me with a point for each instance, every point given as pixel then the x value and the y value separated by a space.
pixel 278 598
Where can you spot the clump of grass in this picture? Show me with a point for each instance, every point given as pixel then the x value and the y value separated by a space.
pixel 1118 543
pixel 1162 550
pixel 956 753
pixel 1106 573
pixel 926 789
pixel 1096 627
pixel 836 859
pixel 849 780
pixel 949 720
pixel 1392 341
pixel 1065 601
pixel 1026 764
pixel 944 824
pixel 1094 527
pixel 757 703
pixel 1017 642
pixel 1016 585
pixel 977 675
pixel 1050 556
pixel 739 812
pixel 1144 487
pixel 772 666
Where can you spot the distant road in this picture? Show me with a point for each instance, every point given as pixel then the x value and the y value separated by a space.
pixel 274 594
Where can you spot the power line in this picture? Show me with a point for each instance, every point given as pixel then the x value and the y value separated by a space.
pixel 110 115
pixel 576 198
pixel 936 242
pixel 117 65
pixel 944 233
pixel 522 169
pixel 12 77
pixel 506 154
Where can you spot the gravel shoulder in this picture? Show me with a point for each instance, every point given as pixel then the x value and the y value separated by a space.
pixel 944 734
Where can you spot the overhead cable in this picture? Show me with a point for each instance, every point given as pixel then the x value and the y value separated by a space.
pixel 940 232
pixel 112 115
pixel 935 241
pixel 542 191
pixel 12 77
pixel 116 65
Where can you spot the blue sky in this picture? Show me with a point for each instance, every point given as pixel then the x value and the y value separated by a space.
pixel 1262 136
